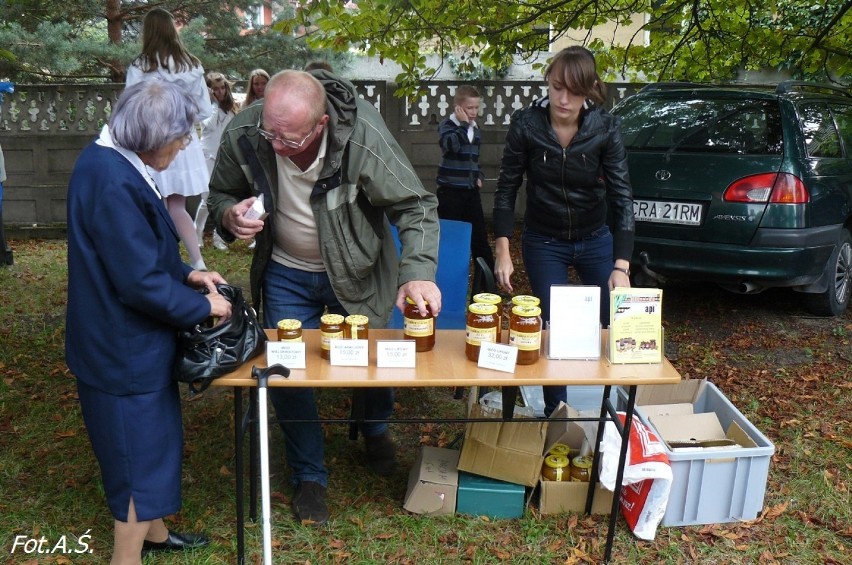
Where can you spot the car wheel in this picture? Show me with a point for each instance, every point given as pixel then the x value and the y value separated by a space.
pixel 838 272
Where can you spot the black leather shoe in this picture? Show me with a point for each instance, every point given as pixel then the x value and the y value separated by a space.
pixel 381 454
pixel 309 504
pixel 175 542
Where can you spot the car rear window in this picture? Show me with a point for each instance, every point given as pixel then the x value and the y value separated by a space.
pixel 701 124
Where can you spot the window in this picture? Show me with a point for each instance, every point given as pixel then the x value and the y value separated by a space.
pixel 821 138
pixel 843 118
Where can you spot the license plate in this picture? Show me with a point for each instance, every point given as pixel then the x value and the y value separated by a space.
pixel 681 213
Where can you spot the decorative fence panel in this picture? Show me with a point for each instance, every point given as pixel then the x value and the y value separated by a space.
pixel 43 128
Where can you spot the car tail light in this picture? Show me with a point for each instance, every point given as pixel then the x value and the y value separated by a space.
pixel 780 188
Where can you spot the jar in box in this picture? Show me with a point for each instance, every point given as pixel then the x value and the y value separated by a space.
pixel 559 449
pixel 356 326
pixel 491 298
pixel 419 326
pixel 581 468
pixel 289 330
pixel 555 468
pixel 481 326
pixel 331 327
pixel 525 333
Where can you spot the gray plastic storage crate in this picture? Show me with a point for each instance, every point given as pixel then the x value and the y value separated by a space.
pixel 718 486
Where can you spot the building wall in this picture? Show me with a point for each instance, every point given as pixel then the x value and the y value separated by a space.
pixel 44 128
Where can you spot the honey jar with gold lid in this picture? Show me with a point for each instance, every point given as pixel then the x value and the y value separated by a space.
pixel 331 327
pixel 525 300
pixel 419 326
pixel 525 333
pixel 356 326
pixel 559 449
pixel 556 468
pixel 481 327
pixel 491 298
pixel 581 468
pixel 289 330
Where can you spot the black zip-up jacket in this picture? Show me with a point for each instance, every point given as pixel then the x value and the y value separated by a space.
pixel 568 190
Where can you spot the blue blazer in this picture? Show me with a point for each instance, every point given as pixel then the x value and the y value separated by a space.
pixel 127 292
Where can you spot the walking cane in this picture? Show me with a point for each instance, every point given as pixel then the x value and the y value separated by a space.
pixel 262 376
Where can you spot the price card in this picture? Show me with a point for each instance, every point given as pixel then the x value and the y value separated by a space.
pixel 400 353
pixel 498 356
pixel 291 354
pixel 349 352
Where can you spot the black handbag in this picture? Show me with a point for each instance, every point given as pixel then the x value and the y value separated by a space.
pixel 206 352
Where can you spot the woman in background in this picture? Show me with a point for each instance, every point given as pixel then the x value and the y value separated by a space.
pixel 225 108
pixel 165 58
pixel 128 295
pixel 255 86
pixel 572 154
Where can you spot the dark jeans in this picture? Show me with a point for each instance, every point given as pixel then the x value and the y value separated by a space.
pixel 466 206
pixel 547 261
pixel 303 295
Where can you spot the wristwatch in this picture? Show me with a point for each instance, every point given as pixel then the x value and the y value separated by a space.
pixel 625 271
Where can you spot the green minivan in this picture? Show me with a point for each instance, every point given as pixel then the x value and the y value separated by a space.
pixel 749 187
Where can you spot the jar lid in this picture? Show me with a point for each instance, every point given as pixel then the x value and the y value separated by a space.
pixel 332 319
pixel 526 300
pixel 526 310
pixel 582 462
pixel 487 298
pixel 482 309
pixel 289 324
pixel 357 320
pixel 410 300
pixel 556 461
pixel 560 449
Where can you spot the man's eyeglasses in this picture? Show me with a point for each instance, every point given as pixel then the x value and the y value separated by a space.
pixel 272 138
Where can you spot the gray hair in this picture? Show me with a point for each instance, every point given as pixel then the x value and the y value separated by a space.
pixel 151 114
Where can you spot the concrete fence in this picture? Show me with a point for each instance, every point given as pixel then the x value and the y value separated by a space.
pixel 43 128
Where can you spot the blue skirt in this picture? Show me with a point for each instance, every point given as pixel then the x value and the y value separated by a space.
pixel 138 442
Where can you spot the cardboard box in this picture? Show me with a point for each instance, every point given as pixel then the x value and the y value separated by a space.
pixel 482 496
pixel 510 451
pixel 565 496
pixel 717 476
pixel 433 482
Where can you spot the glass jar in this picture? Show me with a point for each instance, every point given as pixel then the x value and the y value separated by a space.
pixel 331 327
pixel 481 326
pixel 581 468
pixel 525 333
pixel 289 330
pixel 491 298
pixel 555 468
pixel 559 449
pixel 525 300
pixel 356 326
pixel 419 326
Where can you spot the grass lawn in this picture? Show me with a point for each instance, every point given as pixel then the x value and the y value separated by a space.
pixel 789 373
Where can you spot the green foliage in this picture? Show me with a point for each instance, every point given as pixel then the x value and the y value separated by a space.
pixel 47 41
pixel 707 41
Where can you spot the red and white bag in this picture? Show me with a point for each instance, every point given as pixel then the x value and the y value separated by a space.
pixel 647 478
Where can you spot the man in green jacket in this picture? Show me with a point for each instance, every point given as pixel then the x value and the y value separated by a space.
pixel 332 178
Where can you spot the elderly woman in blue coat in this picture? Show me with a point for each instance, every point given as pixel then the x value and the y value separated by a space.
pixel 128 294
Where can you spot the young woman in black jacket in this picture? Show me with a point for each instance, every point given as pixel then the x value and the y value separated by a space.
pixel 571 151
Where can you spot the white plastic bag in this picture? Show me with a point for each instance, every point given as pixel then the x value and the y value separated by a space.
pixel 647 478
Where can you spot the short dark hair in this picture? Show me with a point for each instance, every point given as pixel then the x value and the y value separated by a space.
pixel 319 64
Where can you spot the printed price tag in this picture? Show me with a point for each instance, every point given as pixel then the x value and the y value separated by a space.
pixel 291 354
pixel 400 353
pixel 349 352
pixel 498 357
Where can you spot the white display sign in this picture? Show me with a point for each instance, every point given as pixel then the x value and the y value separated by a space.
pixel 399 353
pixel 349 352
pixel 497 356
pixel 575 322
pixel 291 354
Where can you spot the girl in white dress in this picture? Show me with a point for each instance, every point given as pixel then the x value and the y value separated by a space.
pixel 225 108
pixel 165 58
